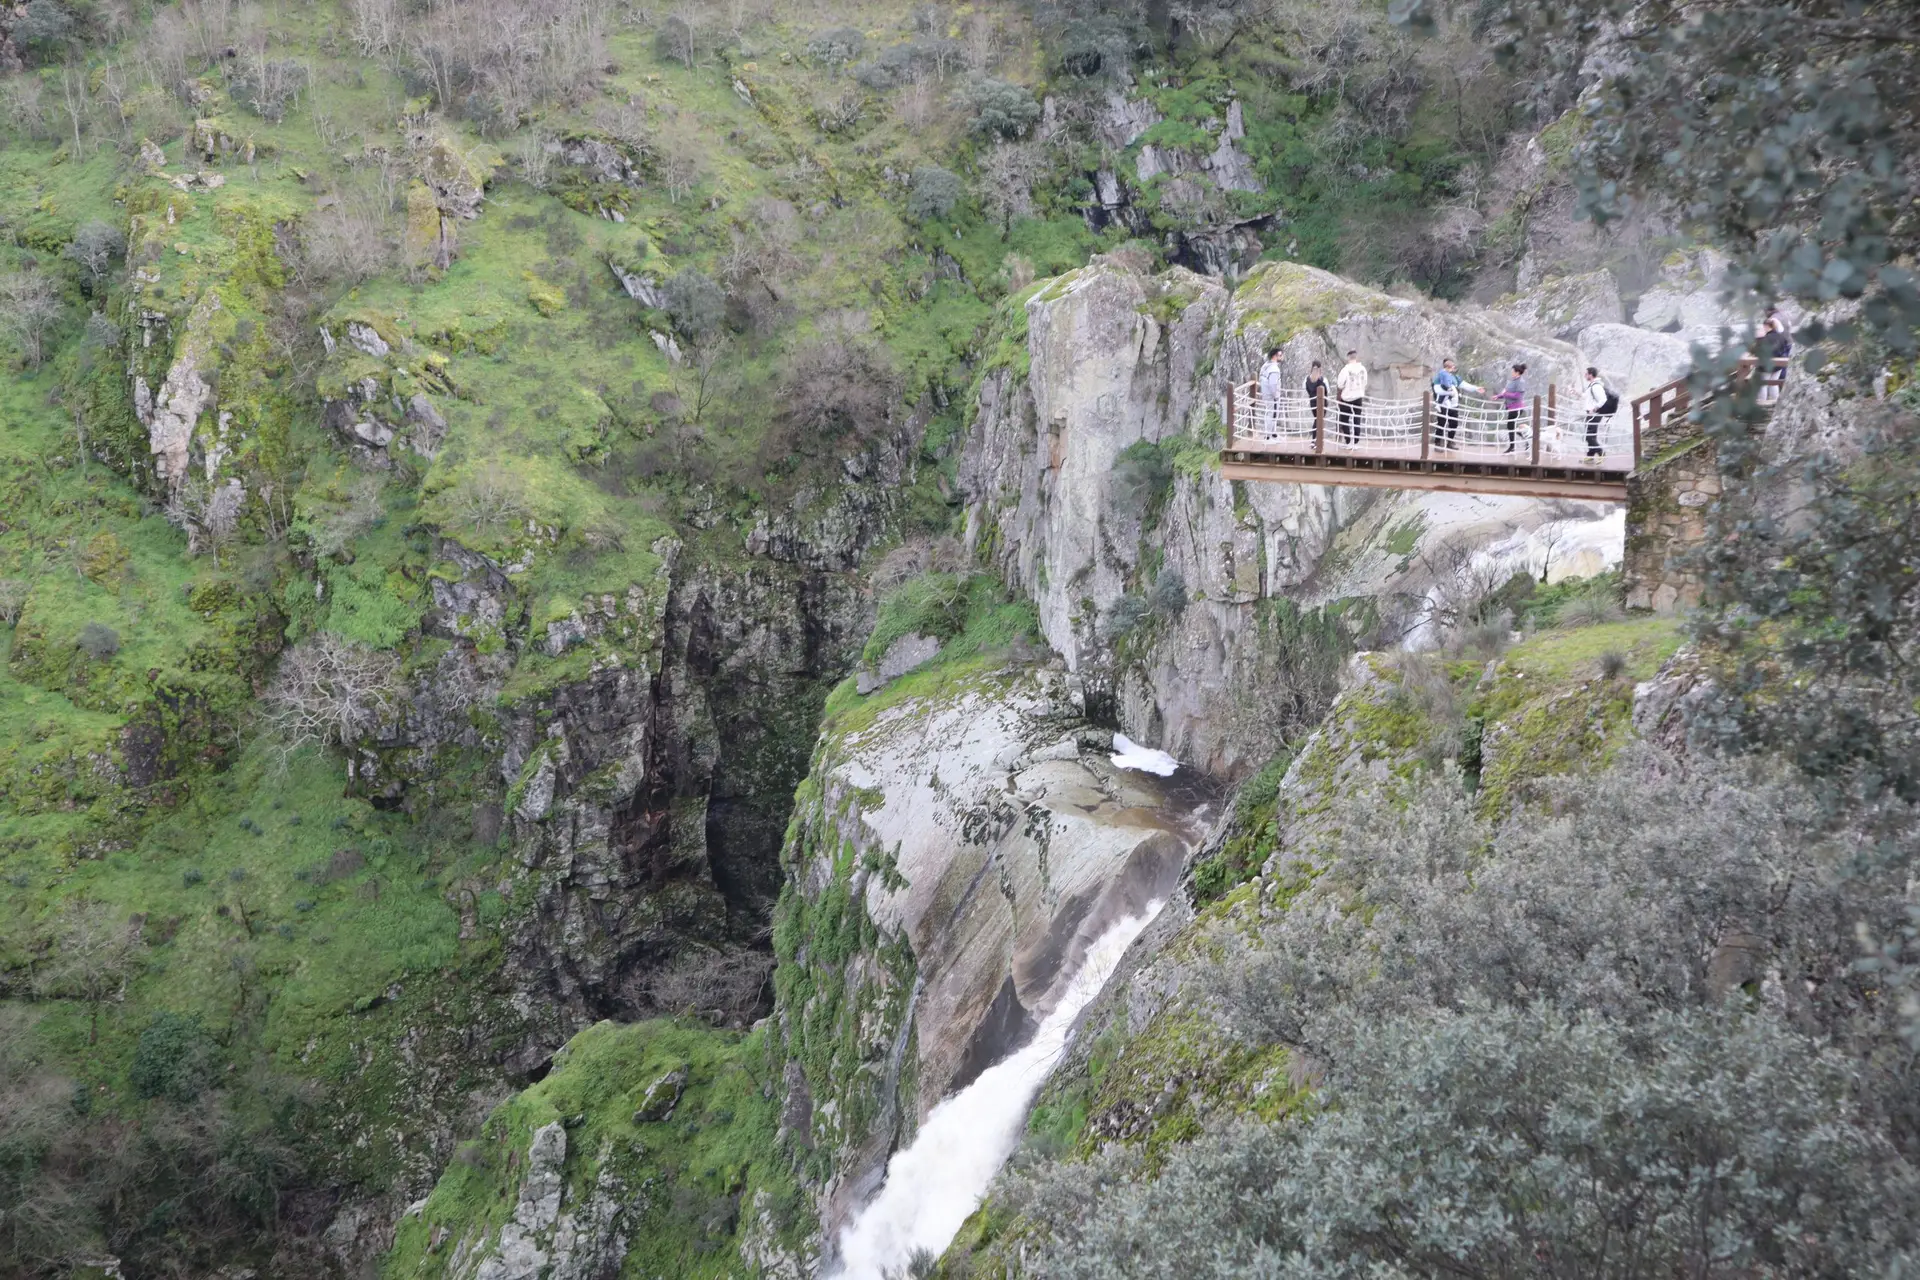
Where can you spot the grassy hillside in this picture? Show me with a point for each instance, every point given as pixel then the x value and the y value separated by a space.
pixel 247 982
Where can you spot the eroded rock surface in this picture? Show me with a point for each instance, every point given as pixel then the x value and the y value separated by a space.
pixel 984 834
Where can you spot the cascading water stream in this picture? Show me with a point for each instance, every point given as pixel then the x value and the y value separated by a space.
pixel 934 1184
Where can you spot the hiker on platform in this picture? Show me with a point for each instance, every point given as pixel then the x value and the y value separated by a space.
pixel 1512 398
pixel 1316 388
pixel 1447 384
pixel 1271 379
pixel 1776 346
pixel 1351 389
pixel 1602 403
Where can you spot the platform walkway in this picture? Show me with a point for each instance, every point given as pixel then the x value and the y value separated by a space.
pixel 1542 451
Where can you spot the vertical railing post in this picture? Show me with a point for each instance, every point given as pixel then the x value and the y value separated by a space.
pixel 1320 420
pixel 1552 414
pixel 1233 421
pixel 1536 431
pixel 1636 443
pixel 1426 422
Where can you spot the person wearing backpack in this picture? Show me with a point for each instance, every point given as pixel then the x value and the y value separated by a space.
pixel 1351 388
pixel 1447 385
pixel 1602 403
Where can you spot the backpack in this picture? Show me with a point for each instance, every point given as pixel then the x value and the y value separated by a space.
pixel 1612 403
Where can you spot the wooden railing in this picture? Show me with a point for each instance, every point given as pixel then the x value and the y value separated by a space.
pixel 1546 433
pixel 1658 415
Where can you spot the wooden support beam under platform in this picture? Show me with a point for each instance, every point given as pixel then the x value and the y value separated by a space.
pixel 1523 479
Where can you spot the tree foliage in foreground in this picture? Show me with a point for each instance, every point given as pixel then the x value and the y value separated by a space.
pixel 1624 1035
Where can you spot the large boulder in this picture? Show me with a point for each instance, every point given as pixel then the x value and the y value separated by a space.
pixel 1687 299
pixel 1635 361
pixel 1565 305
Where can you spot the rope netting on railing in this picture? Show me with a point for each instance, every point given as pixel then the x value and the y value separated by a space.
pixel 1475 430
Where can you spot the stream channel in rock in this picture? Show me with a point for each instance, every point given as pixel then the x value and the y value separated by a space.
pixel 934 1182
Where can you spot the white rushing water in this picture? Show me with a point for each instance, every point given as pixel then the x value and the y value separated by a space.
pixel 934 1184
pixel 1128 754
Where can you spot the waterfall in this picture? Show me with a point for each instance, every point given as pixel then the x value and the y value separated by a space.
pixel 935 1183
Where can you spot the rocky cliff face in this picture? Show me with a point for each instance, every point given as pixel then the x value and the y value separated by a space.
pixel 1121 376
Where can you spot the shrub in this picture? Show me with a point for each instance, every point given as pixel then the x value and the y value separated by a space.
pixel 833 388
pixel 1000 109
pixel 1094 47
pixel 1127 613
pixel 694 303
pixel 99 641
pixel 1591 609
pixel 933 194
pixel 175 1058
pixel 836 46
pixel 1169 597
pixel 268 86
pixel 191 877
pixel 13 599
pixel 1141 481
pixel 45 27
pixel 1518 1142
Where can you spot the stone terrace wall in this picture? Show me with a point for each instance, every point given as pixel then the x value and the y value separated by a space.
pixel 1667 505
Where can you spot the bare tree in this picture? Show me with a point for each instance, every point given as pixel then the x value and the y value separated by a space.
pixel 29 308
pixel 489 500
pixel 375 27
pixel 208 513
pixel 94 248
pixel 330 690
pixel 917 102
pixel 1006 182
pixel 700 374
pixel 350 236
pixel 75 102
pixel 337 527
pixel 95 951
pixel 680 167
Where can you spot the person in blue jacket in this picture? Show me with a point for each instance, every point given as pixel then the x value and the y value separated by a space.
pixel 1447 385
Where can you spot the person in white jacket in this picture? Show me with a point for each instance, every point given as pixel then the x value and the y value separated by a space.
pixel 1350 389
pixel 1271 379
pixel 1602 404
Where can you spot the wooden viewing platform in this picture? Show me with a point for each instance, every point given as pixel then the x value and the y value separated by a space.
pixel 1542 452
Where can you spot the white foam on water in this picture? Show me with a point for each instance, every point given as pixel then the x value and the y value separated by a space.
pixel 934 1184
pixel 1129 754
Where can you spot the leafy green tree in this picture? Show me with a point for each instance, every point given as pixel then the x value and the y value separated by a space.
pixel 933 194
pixel 1000 109
pixel 1786 131
pixel 694 303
